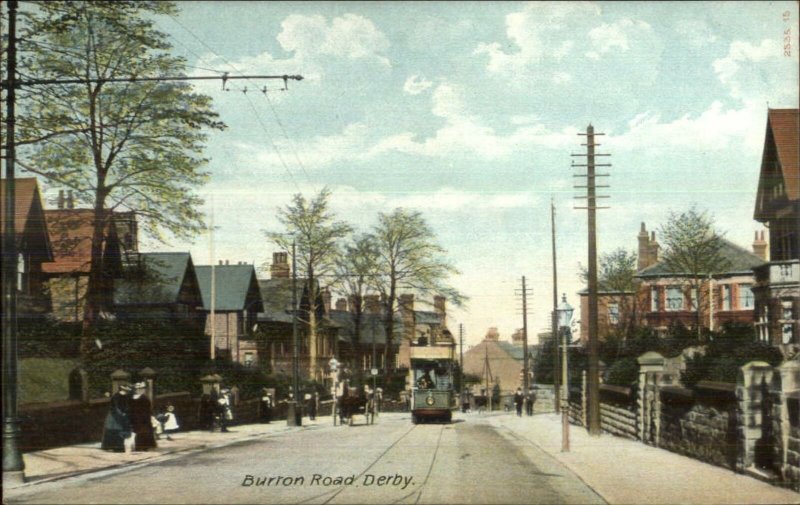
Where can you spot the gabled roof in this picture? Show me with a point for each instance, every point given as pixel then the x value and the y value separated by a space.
pixel 740 261
pixel 372 326
pixel 28 211
pixel 158 280
pixel 515 351
pixel 236 287
pixel 276 295
pixel 785 125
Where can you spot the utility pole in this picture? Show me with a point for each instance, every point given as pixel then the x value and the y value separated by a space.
pixel 13 464
pixel 293 417
pixel 591 197
pixel 525 359
pixel 487 372
pixel 554 314
pixel 461 361
pixel 212 316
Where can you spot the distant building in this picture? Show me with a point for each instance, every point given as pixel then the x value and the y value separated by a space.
pixel 777 283
pixel 616 311
pixel 237 301
pixel 501 361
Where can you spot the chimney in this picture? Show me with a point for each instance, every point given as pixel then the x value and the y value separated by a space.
pixel 760 246
pixel 654 247
pixel 221 262
pixel 492 334
pixel 644 249
pixel 70 200
pixel 341 304
pixel 372 304
pixel 227 262
pixel 60 198
pixel 280 266
pixel 326 300
pixel 439 308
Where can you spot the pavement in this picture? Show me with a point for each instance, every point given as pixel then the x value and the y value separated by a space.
pixel 621 471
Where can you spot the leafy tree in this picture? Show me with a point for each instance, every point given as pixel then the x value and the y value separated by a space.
pixel 355 273
pixel 693 253
pixel 410 259
pixel 316 234
pixel 120 145
pixel 616 277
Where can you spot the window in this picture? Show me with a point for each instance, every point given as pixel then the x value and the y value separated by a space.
pixel 693 299
pixel 654 305
pixel 674 298
pixel 787 322
pixel 762 325
pixel 788 333
pixel 613 313
pixel 726 297
pixel 21 274
pixel 249 358
pixel 746 299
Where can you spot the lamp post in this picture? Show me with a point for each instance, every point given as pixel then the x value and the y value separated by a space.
pixel 564 312
pixel 334 366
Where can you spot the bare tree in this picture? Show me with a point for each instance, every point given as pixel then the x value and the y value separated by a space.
pixel 313 227
pixel 410 259
pixel 693 254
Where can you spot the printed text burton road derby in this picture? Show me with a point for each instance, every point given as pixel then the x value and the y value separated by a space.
pixel 366 480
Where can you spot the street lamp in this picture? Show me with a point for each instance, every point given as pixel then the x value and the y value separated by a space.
pixel 564 311
pixel 334 366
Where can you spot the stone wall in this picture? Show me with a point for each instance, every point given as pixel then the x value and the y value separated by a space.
pixel 700 423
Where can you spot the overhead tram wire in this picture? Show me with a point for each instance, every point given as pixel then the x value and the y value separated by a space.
pixel 264 91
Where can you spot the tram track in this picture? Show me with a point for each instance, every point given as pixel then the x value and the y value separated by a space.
pixel 418 492
pixel 333 493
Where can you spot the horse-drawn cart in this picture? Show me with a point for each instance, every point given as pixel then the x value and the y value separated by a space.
pixel 353 404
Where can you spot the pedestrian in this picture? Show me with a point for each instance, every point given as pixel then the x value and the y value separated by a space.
pixel 313 406
pixel 141 419
pixel 169 422
pixel 205 412
pixel 265 407
pixel 530 401
pixel 117 426
pixel 518 401
pixel 224 410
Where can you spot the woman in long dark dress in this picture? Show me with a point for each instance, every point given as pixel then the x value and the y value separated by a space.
pixel 117 426
pixel 141 420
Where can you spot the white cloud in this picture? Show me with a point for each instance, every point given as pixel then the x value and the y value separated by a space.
pixel 759 73
pixel 349 36
pixel 415 85
pixel 716 128
pixel 695 32
pixel 446 199
pixel 617 35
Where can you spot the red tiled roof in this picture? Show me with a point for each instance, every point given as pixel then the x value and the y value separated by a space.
pixel 71 235
pixel 26 190
pixel 785 125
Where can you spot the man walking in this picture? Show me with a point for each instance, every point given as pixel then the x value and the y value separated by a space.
pixel 519 399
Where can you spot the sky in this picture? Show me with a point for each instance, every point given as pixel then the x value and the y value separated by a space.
pixel 469 113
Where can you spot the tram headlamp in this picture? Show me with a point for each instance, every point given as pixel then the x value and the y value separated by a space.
pixel 429 400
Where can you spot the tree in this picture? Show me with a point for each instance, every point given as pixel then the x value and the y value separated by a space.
pixel 121 146
pixel 616 278
pixel 316 233
pixel 693 254
pixel 355 273
pixel 410 259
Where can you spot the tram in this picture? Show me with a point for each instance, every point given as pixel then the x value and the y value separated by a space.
pixel 431 379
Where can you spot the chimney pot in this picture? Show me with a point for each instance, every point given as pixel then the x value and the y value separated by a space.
pixel 220 262
pixel 60 198
pixel 70 200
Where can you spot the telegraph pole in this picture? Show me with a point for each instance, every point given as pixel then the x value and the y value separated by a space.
pixel 525 366
pixel 13 464
pixel 591 197
pixel 461 361
pixel 554 314
pixel 292 417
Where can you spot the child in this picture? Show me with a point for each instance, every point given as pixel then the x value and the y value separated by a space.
pixel 169 422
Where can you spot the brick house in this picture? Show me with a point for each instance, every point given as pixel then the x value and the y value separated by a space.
pixel 616 311
pixel 70 232
pixel 160 286
pixel 33 246
pixel 238 300
pixel 666 297
pixel 777 283
pixel 501 361
pixel 275 325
